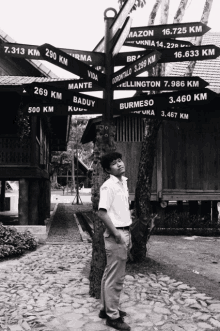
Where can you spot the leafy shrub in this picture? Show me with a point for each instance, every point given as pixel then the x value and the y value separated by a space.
pixel 14 243
pixel 185 224
pixel 56 186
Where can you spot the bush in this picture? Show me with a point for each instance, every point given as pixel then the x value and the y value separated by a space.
pixel 14 243
pixel 56 186
pixel 184 223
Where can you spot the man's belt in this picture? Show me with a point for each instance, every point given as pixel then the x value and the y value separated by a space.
pixel 123 228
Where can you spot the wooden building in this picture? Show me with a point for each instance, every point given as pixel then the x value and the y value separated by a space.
pixel 63 175
pixel 187 163
pixel 28 161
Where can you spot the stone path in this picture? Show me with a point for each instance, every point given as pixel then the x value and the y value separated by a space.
pixel 47 290
pixel 64 227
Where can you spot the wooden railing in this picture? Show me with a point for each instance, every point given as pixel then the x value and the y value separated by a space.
pixel 13 151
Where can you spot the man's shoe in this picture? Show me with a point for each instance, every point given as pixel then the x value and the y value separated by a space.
pixel 102 314
pixel 117 324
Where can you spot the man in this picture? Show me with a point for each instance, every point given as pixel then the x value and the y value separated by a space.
pixel 115 214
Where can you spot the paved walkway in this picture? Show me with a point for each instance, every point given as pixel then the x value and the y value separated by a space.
pixel 48 290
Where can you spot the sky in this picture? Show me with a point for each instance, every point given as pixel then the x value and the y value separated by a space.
pixel 79 24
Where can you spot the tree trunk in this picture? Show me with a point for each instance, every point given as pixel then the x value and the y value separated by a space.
pixel 141 228
pixel 98 253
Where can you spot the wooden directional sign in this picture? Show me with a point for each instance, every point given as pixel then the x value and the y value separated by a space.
pixel 164 100
pixel 162 83
pixel 143 64
pixel 31 52
pixel 199 53
pixel 168 31
pixel 121 36
pixel 65 61
pixel 33 109
pixel 56 95
pixel 78 85
pixel 121 16
pixel 195 53
pixel 157 43
pixel 176 115
pixel 125 58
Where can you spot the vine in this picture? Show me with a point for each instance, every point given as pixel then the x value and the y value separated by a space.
pixel 23 123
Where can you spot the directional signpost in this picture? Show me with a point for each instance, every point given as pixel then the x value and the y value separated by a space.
pixel 161 46
pixel 32 52
pixel 194 53
pixel 157 43
pixel 162 83
pixel 62 98
pixel 163 102
pixel 141 65
pixel 179 30
pixel 51 109
pixel 78 85
pixel 56 95
pixel 61 59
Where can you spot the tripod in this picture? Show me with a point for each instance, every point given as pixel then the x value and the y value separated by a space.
pixel 77 197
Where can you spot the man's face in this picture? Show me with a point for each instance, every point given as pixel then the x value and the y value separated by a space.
pixel 117 168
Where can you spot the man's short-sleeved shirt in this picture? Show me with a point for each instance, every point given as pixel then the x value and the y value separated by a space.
pixel 114 198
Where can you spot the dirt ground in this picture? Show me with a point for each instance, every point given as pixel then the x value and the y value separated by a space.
pixel 193 260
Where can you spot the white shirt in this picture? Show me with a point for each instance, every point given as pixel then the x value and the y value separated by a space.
pixel 114 198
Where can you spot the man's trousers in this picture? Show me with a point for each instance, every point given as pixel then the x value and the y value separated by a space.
pixel 114 274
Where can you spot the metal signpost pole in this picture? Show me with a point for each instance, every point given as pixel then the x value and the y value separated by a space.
pixel 77 196
pixel 108 92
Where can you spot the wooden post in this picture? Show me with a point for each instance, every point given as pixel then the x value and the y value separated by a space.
pixel 23 201
pixel 44 201
pixel 2 198
pixel 47 189
pixel 180 206
pixel 193 207
pixel 33 139
pixel 33 206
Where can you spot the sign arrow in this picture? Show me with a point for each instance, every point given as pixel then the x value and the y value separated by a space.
pixel 176 115
pixel 79 85
pixel 179 30
pixel 143 64
pixel 203 52
pixel 121 36
pixel 56 95
pixel 164 100
pixel 61 59
pixel 162 83
pixel 32 52
pixel 33 109
pixel 125 58
pixel 121 16
pixel 157 43
pixel 194 53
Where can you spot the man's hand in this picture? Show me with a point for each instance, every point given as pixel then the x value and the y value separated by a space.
pixel 118 238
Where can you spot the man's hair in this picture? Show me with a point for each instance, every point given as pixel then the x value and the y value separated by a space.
pixel 107 159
